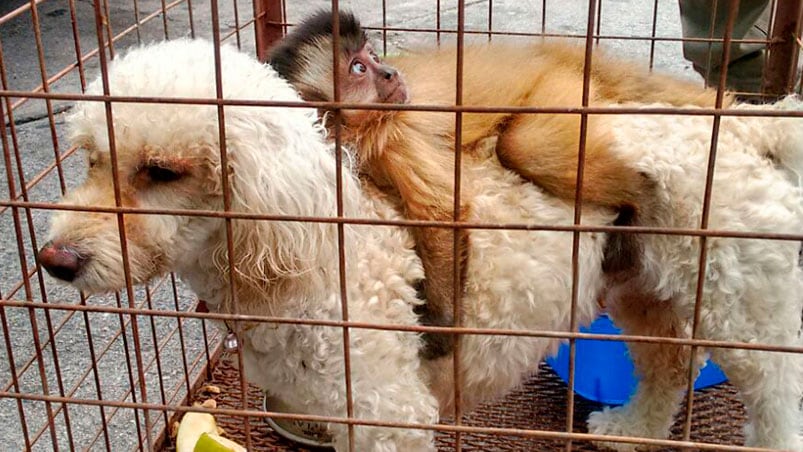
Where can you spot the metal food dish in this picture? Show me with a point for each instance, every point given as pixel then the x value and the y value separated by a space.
pixel 310 434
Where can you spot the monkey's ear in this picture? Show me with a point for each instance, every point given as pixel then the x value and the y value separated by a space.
pixel 283 59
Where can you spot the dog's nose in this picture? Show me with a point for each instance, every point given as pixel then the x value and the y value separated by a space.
pixel 60 260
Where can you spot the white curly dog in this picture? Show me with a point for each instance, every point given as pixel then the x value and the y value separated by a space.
pixel 279 163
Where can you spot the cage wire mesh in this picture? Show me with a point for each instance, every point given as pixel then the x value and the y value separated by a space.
pixel 114 372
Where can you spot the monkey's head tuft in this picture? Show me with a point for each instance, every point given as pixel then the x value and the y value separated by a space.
pixel 315 32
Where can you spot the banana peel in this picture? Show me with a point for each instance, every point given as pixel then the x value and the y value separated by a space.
pixel 192 426
pixel 210 442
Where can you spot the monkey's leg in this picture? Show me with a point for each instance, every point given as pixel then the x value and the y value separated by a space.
pixel 543 148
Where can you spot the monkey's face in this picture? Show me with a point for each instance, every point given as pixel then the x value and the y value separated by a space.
pixel 366 79
pixel 304 58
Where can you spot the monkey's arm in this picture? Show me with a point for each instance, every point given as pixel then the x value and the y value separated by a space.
pixel 435 247
pixel 423 175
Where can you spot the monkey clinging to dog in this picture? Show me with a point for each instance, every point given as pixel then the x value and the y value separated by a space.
pixel 409 153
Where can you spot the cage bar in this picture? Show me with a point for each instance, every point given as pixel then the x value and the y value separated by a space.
pixel 784 50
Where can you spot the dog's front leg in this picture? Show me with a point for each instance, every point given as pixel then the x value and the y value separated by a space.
pixel 386 386
pixel 386 406
pixel 383 439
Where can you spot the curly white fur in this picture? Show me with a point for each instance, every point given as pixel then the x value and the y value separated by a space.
pixel 279 164
pixel 752 289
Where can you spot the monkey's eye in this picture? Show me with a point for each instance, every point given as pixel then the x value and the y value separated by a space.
pixel 357 67
pixel 375 57
pixel 161 174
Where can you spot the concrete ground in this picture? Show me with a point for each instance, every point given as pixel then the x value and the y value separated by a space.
pixel 37 135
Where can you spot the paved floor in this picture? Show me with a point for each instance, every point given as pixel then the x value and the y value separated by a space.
pixel 36 135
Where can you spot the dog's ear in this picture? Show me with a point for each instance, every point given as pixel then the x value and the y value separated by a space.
pixel 271 174
pixel 81 126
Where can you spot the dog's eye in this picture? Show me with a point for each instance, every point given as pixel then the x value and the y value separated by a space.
pixel 92 158
pixel 161 174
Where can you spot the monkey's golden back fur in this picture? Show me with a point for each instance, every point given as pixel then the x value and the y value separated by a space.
pixel 519 68
pixel 543 74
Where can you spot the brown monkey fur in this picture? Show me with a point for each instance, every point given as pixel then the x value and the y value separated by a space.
pixel 410 153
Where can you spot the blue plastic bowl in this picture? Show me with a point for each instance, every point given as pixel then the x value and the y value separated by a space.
pixel 604 371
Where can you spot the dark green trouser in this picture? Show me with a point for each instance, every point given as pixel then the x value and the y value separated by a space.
pixel 746 62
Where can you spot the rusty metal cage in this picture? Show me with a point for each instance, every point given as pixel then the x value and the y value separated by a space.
pixel 116 372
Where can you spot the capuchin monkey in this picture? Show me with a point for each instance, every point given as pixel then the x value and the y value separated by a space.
pixel 410 153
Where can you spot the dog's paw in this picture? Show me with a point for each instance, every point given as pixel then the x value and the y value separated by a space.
pixel 793 443
pixel 619 421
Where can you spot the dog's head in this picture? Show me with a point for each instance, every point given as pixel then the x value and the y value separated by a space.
pixel 167 156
